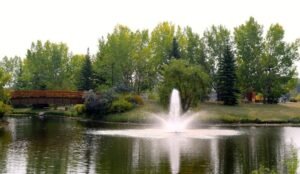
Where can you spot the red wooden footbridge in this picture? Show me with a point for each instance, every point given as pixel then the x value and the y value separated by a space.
pixel 37 97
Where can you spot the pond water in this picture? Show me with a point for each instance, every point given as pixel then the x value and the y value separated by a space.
pixel 58 145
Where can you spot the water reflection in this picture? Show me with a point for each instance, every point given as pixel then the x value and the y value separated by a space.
pixel 214 153
pixel 17 155
pixel 174 153
pixel 5 140
pixel 65 146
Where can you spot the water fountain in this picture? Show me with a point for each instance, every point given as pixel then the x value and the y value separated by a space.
pixel 177 122
pixel 174 130
pixel 173 122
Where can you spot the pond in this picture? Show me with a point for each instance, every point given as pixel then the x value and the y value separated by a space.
pixel 61 145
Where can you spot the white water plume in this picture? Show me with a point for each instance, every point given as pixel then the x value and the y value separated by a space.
pixel 174 129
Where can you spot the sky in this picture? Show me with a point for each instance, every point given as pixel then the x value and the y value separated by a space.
pixel 80 23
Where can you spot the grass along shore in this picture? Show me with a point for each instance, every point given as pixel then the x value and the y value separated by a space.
pixel 216 113
pixel 34 112
pixel 207 113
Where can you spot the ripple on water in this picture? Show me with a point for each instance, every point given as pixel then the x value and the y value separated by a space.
pixel 161 134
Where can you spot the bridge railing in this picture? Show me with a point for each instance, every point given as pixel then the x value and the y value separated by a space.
pixel 46 93
pixel 29 97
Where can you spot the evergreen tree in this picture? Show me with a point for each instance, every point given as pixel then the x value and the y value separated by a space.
pixel 20 82
pixel 85 81
pixel 227 78
pixel 175 52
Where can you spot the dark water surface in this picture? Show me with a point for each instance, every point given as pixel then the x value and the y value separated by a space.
pixel 57 145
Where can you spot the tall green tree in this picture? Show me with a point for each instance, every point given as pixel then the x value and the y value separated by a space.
pixel 74 70
pixel 59 60
pixel 227 78
pixel 20 82
pixel 161 43
pixel 191 80
pixel 12 66
pixel 277 64
pixel 123 59
pixel 249 48
pixel 4 80
pixel 85 81
pixel 114 58
pixel 216 40
pixel 167 41
pixel 45 66
pixel 175 50
pixel 195 50
pixel 4 93
pixel 102 66
pixel 143 75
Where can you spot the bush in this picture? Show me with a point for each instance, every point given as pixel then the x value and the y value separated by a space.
pixel 262 169
pixel 108 102
pixel 138 100
pixel 134 99
pixel 4 109
pixel 293 100
pixel 122 88
pixel 153 96
pixel 259 98
pixel 102 88
pixel 121 105
pixel 79 109
pixel 297 97
pixel 98 104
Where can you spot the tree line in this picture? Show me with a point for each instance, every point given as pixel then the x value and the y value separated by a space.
pixel 230 63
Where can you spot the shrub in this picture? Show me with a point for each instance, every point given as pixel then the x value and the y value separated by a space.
pixel 121 105
pixel 134 99
pixel 259 97
pixel 98 104
pixel 79 109
pixel 122 88
pixel 262 169
pixel 293 100
pixel 102 88
pixel 4 109
pixel 297 97
pixel 138 99
pixel 107 102
pixel 153 94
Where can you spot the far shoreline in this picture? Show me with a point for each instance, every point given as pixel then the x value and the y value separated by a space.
pixel 195 125
pixel 258 115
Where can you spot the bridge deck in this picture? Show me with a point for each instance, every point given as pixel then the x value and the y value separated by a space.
pixel 31 97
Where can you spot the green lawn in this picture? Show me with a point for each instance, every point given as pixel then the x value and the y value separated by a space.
pixel 207 113
pixel 137 115
pixel 250 112
pixel 216 113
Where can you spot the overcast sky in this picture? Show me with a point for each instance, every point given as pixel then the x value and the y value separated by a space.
pixel 80 23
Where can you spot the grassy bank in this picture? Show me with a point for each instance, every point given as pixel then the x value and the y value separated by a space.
pixel 253 113
pixel 206 113
pixel 48 111
pixel 139 115
pixel 216 113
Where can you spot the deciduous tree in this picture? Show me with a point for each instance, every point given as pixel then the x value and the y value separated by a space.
pixel 190 80
pixel 277 64
pixel 249 48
